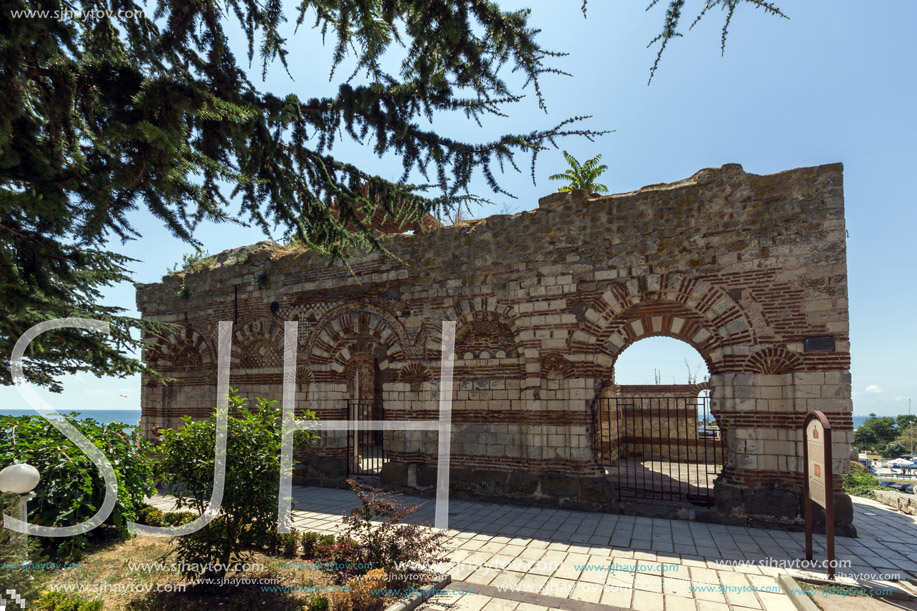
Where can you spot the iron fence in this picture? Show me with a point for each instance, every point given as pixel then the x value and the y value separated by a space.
pixel 658 448
pixel 365 450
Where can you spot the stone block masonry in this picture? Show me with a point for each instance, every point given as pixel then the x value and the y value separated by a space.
pixel 749 270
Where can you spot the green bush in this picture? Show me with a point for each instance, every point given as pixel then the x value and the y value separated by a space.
pixel 319 603
pixel 13 554
pixel 309 543
pixel 71 488
pixel 893 450
pixel 151 516
pixel 178 518
pixel 59 601
pixel 860 482
pixel 289 542
pixel 248 513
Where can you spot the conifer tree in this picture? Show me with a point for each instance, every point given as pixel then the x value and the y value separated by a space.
pixel 106 108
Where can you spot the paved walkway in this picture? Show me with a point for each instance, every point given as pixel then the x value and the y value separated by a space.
pixel 532 559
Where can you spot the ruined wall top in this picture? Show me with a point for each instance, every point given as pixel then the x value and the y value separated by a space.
pixel 772 245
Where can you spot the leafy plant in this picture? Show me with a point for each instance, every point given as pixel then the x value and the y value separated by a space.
pixel 875 433
pixel 60 601
pixel 249 508
pixel 582 176
pixel 309 544
pixel 13 553
pixel 151 516
pixel 318 603
pixel 907 436
pixel 893 450
pixel 384 540
pixel 289 542
pixel 196 261
pixel 860 482
pixel 366 590
pixel 71 488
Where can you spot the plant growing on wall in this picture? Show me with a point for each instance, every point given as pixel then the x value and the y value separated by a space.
pixel 582 175
pixel 249 508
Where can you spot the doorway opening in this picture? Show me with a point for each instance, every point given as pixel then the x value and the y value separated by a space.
pixel 656 436
pixel 365 445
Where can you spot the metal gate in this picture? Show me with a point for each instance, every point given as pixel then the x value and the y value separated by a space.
pixel 365 452
pixel 658 448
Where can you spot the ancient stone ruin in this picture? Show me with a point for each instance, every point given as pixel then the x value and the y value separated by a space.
pixel 749 270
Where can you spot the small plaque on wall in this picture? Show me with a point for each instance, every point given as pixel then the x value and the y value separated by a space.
pixel 819 344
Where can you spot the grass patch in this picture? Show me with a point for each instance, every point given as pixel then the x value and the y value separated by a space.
pixel 139 575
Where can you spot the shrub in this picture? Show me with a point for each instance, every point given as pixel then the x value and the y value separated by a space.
pixel 366 590
pixel 248 513
pixel 289 543
pixel 178 518
pixel 309 543
pixel 339 600
pixel 71 488
pixel 324 548
pixel 319 603
pixel 389 543
pixel 151 516
pixel 860 482
pixel 12 554
pixel 59 601
pixel 345 552
pixel 893 450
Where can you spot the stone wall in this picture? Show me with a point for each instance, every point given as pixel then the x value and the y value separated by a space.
pixel 749 270
pixel 905 503
pixel 654 422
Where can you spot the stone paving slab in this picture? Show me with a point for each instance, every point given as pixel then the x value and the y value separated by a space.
pixel 528 558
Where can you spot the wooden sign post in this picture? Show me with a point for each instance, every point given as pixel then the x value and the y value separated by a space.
pixel 819 480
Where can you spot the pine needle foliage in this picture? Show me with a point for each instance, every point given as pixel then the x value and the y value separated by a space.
pixel 108 107
pixel 582 175
pixel 111 109
pixel 673 18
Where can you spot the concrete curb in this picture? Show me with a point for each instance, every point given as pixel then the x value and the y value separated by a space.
pixel 421 595
pixel 800 601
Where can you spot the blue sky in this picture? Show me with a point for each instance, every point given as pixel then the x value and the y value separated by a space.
pixel 833 83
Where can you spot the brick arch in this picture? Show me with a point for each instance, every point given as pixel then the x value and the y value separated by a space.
pixel 774 360
pixel 464 311
pixel 664 319
pixel 556 364
pixel 670 305
pixel 415 373
pixel 327 348
pixel 185 353
pixel 487 334
pixel 258 345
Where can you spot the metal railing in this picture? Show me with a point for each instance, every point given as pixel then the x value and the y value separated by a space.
pixel 658 448
pixel 365 450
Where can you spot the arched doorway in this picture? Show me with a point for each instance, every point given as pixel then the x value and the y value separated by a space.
pixel 658 439
pixel 365 447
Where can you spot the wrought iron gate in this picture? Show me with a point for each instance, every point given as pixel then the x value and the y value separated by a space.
pixel 365 452
pixel 658 448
